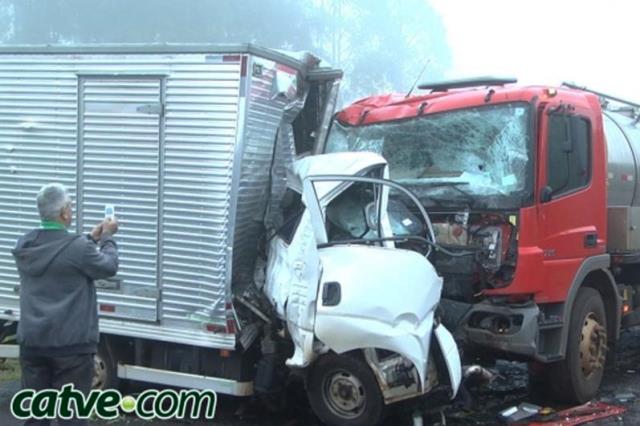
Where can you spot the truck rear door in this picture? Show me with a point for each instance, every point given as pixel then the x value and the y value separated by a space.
pixel 120 159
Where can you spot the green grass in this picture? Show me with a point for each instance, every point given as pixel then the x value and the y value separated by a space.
pixel 9 369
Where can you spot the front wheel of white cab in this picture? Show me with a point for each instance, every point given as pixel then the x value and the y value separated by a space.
pixel 342 390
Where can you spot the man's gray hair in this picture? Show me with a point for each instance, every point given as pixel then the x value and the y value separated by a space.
pixel 52 198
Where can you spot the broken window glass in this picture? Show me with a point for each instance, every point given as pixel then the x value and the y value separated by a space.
pixel 479 154
pixel 347 214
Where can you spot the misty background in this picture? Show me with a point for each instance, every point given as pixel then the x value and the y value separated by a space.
pixel 382 45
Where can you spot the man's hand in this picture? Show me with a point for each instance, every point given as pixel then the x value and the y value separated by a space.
pixel 96 232
pixel 110 226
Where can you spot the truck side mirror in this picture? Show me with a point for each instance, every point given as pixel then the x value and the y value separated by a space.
pixel 546 194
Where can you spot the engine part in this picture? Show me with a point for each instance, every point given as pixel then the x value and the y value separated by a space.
pixel 271 370
pixel 490 239
pixel 249 334
pixel 458 275
pixel 450 234
pixel 396 375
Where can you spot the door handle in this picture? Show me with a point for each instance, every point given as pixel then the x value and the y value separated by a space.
pixel 331 294
pixel 591 240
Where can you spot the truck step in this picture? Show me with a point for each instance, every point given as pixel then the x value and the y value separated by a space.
pixel 550 325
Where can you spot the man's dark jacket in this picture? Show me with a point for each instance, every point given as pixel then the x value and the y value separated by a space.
pixel 58 305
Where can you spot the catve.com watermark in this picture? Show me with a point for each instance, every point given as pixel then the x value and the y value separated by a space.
pixel 68 402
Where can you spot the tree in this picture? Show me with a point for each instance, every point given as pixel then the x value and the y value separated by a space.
pixel 381 45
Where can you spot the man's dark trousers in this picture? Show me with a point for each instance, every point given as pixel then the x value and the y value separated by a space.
pixel 46 372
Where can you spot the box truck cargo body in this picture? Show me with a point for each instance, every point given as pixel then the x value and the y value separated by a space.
pixel 181 139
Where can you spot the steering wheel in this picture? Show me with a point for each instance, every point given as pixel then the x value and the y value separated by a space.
pixel 371 215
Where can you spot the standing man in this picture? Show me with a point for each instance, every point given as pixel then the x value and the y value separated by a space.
pixel 58 327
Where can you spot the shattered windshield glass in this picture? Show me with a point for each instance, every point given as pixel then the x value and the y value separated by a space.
pixel 476 157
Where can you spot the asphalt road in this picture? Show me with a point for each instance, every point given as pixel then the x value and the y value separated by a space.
pixel 621 387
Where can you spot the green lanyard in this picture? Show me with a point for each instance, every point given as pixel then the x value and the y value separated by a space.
pixel 49 224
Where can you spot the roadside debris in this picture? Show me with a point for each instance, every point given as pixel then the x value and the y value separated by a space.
pixel 518 413
pixel 625 396
pixel 579 415
pixel 417 419
pixel 500 395
pixel 511 377
pixel 478 372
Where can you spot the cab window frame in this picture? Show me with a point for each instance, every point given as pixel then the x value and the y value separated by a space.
pixel 573 120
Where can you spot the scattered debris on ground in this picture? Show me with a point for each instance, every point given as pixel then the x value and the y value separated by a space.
pixel 579 415
pixel 518 413
pixel 487 394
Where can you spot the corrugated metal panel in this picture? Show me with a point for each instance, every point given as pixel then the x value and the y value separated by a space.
pixel 119 160
pixel 37 145
pixel 38 128
pixel 263 117
pixel 200 138
pixel 304 62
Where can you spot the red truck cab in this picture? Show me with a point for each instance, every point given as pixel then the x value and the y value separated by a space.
pixel 515 180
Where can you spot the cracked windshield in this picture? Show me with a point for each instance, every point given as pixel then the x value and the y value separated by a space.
pixel 476 156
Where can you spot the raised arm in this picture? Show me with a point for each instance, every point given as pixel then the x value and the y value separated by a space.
pixel 102 263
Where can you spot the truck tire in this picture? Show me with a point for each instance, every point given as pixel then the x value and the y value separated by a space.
pixel 342 390
pixel 577 378
pixel 105 373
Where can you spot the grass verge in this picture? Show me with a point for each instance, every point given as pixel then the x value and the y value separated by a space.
pixel 9 369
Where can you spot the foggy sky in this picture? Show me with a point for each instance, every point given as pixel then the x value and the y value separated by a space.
pixel 381 44
pixel 591 43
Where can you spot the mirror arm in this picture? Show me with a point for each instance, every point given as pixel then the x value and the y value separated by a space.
pixel 546 194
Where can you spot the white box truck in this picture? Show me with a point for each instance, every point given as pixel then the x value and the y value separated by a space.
pixel 232 274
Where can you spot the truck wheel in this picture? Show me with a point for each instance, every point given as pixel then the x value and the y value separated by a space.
pixel 342 390
pixel 577 378
pixel 105 373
